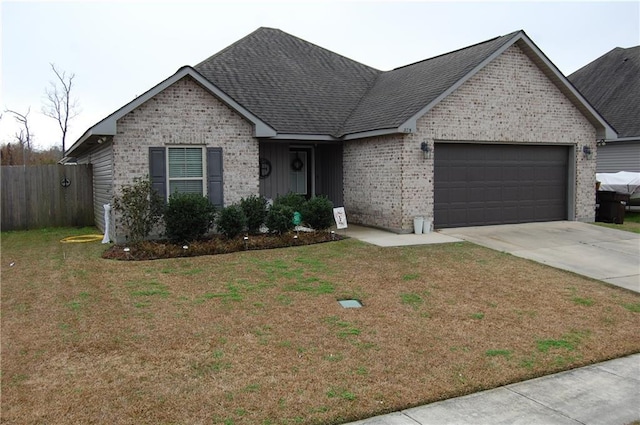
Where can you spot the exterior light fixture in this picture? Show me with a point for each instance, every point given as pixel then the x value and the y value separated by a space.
pixel 586 150
pixel 426 150
pixel 600 142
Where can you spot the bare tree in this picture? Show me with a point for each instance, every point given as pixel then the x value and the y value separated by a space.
pixel 58 104
pixel 24 137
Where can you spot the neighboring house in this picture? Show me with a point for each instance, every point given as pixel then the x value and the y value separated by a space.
pixel 489 134
pixel 611 84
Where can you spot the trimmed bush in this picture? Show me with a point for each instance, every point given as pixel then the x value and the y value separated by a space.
pixel 188 217
pixel 294 201
pixel 231 221
pixel 141 208
pixel 255 209
pixel 280 218
pixel 318 213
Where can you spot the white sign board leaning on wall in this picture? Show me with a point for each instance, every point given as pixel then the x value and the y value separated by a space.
pixel 340 217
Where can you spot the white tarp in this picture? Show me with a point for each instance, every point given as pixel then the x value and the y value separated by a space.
pixel 624 182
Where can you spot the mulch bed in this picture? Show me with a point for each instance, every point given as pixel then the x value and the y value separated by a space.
pixel 216 244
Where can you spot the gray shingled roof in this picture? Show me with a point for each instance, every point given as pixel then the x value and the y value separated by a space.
pixel 299 88
pixel 287 88
pixel 399 94
pixel 611 84
pixel 293 85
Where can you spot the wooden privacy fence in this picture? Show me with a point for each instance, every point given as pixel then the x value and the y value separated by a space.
pixel 46 196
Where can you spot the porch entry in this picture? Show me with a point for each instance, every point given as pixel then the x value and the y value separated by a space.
pixel 304 168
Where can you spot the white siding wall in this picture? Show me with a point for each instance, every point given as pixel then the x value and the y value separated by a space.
pixel 102 160
pixel 619 156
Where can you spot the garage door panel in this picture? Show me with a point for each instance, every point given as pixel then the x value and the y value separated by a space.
pixel 509 173
pixel 475 196
pixel 458 216
pixel 479 184
pixel 509 215
pixel 525 194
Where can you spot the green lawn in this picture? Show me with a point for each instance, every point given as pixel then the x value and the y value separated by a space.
pixel 258 337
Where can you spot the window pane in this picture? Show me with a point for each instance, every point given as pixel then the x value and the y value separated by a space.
pixel 185 162
pixel 185 186
pixel 298 179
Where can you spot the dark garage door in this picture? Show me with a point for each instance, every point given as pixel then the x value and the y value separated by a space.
pixel 477 184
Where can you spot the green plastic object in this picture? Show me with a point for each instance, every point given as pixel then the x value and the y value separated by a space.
pixel 297 218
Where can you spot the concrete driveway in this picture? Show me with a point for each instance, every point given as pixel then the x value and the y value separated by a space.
pixel 609 255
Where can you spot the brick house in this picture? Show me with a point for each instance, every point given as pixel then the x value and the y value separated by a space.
pixel 489 134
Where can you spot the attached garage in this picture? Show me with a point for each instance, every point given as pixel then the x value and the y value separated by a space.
pixel 482 184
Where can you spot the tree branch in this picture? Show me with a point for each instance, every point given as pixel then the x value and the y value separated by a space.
pixel 58 103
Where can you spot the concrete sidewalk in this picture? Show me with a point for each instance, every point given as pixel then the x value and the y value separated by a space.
pixel 387 239
pixel 605 393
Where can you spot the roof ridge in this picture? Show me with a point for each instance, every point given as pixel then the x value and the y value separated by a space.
pixel 235 43
pixel 510 35
pixel 331 52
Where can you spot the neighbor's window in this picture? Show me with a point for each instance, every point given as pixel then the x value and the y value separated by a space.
pixel 186 170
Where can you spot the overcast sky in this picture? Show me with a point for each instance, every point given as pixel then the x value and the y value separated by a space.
pixel 119 50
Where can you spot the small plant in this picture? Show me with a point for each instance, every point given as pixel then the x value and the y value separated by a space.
pixel 188 217
pixel 545 345
pixel 141 208
pixel 255 209
pixel 414 300
pixel 232 221
pixel 583 301
pixel 318 213
pixel 477 316
pixel 280 218
pixel 495 353
pixel 635 308
pixel 343 393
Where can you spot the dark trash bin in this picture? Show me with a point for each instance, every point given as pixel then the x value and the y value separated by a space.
pixel 610 206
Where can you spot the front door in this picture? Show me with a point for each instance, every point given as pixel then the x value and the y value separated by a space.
pixel 300 173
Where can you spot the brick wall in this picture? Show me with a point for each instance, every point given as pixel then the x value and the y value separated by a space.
pixel 372 189
pixel 510 100
pixel 186 114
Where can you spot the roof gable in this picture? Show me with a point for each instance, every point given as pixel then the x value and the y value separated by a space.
pixel 397 95
pixel 611 84
pixel 403 93
pixel 108 125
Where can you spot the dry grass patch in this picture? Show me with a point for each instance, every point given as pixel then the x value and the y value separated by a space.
pixel 259 338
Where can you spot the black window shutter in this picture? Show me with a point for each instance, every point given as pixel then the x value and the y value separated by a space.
pixel 158 170
pixel 214 176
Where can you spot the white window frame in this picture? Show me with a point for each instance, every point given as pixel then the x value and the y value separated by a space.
pixel 204 168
